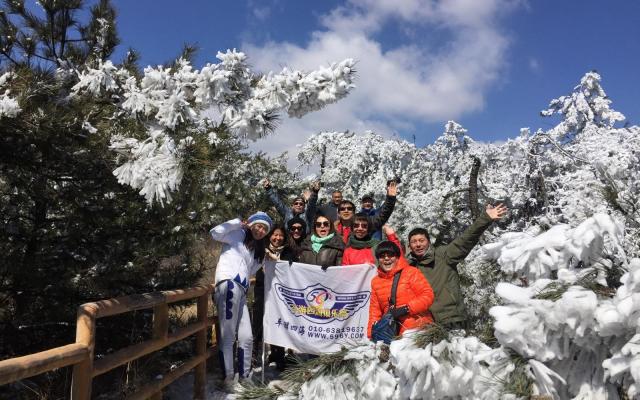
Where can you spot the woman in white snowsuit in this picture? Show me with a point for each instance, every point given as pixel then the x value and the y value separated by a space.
pixel 242 253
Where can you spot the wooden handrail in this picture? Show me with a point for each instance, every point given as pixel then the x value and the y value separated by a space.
pixel 81 353
pixel 133 352
pixel 14 369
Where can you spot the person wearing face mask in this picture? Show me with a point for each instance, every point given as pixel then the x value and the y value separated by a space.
pixel 323 247
pixel 361 243
pixel 414 295
pixel 346 213
pixel 243 250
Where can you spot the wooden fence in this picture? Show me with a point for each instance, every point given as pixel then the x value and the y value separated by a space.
pixel 81 353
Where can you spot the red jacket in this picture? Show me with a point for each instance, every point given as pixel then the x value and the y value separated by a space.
pixel 344 231
pixel 352 256
pixel 413 290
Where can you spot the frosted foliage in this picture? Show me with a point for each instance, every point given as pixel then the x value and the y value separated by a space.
pixel 176 98
pixel 526 254
pixel 568 253
pixel 152 165
pixel 462 368
pixel 587 104
pixel 9 106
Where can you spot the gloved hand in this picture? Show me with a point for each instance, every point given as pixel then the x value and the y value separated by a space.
pixel 398 312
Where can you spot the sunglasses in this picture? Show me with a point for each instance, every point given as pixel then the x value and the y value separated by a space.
pixel 346 208
pixel 322 224
pixel 386 254
pixel 298 203
pixel 296 228
pixel 360 225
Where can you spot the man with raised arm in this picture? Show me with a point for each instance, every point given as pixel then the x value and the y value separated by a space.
pixel 303 207
pixel 440 266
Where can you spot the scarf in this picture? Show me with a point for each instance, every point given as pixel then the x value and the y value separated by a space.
pixel 318 242
pixel 365 243
pixel 273 252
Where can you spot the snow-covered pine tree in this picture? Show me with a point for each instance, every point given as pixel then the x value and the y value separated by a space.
pixel 111 175
pixel 566 259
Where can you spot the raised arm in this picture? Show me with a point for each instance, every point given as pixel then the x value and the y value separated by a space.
pixel 312 203
pixel 392 237
pixel 228 232
pixel 457 250
pixel 386 210
pixel 275 199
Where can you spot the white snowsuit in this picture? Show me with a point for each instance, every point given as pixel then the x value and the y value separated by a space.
pixel 235 267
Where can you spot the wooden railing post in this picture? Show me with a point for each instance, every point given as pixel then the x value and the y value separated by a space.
pixel 200 371
pixel 83 371
pixel 160 330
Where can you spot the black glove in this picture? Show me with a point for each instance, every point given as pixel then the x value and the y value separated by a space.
pixel 398 312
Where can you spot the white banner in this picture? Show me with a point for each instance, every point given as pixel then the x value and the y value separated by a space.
pixel 315 311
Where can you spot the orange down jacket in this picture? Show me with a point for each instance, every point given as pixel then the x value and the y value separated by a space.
pixel 413 290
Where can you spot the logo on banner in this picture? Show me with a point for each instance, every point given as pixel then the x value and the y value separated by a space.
pixel 320 304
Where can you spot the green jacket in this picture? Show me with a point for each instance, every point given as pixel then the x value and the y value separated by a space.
pixel 440 266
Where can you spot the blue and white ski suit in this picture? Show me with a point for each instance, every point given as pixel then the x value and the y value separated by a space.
pixel 235 267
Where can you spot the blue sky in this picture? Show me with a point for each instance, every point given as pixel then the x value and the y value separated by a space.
pixel 490 65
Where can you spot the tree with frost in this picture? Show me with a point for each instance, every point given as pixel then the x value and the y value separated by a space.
pixel 552 292
pixel 111 174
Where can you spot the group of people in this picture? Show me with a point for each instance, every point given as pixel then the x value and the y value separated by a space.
pixel 427 286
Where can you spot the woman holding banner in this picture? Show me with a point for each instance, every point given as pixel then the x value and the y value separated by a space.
pixel 324 247
pixel 413 294
pixel 243 250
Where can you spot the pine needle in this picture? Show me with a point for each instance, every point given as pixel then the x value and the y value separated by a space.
pixel 432 333
pixel 251 391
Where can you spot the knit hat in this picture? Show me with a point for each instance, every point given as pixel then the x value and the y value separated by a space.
pixel 367 197
pixel 260 218
pixel 387 247
pixel 297 220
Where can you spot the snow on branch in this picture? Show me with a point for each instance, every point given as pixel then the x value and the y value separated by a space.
pixel 559 248
pixel 175 98
pixel 587 104
pixel 9 106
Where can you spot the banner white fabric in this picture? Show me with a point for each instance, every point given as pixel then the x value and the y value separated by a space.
pixel 315 311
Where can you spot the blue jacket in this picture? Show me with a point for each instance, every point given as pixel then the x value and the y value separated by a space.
pixel 287 213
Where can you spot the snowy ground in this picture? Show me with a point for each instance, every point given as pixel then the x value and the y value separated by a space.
pixel 182 389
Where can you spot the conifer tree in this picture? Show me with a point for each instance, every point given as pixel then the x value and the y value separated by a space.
pixel 71 232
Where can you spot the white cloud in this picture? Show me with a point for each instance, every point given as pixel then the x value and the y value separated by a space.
pixel 534 65
pixel 420 80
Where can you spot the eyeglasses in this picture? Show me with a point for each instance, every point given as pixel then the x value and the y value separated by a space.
pixel 386 254
pixel 298 203
pixel 349 208
pixel 360 225
pixel 296 228
pixel 320 224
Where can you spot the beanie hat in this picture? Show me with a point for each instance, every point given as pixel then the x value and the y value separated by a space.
pixel 387 247
pixel 260 218
pixel 367 197
pixel 297 220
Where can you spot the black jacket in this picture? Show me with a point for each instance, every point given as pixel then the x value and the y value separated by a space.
pixel 330 254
